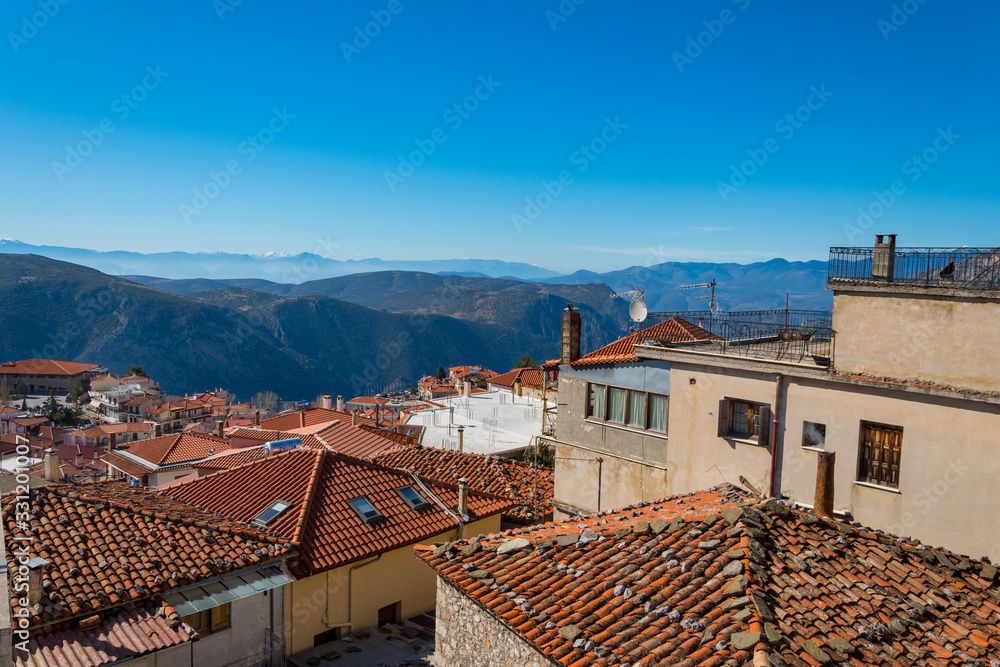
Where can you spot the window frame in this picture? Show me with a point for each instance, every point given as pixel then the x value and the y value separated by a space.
pixel 864 464
pixel 207 622
pixel 415 506
pixel 761 419
pixel 629 393
pixel 805 434
pixel 367 520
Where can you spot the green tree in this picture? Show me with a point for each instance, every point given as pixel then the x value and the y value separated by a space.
pixel 5 393
pixel 51 408
pixel 75 392
pixel 546 456
pixel 24 404
pixel 20 389
pixel 137 370
pixel 527 362
pixel 441 374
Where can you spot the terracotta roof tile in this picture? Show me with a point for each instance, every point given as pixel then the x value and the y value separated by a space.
pixel 714 577
pixel 301 418
pixel 528 377
pixel 111 542
pixel 45 367
pixel 674 330
pixel 320 522
pixel 490 474
pixel 170 450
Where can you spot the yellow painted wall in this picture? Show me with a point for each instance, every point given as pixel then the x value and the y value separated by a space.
pixel 397 577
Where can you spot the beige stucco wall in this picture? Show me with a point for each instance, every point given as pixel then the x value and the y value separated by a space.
pixel 698 457
pixel 948 341
pixel 398 577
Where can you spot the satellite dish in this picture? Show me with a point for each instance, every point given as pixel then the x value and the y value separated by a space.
pixel 637 311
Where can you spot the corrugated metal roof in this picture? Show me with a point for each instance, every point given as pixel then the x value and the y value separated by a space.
pixel 128 634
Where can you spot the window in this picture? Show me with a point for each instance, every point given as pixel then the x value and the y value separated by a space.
pixel 416 501
pixel 881 450
pixel 616 405
pixel 210 620
pixel 637 409
pixel 744 420
pixel 658 413
pixel 388 614
pixel 366 510
pixel 813 435
pixel 597 398
pixel 265 518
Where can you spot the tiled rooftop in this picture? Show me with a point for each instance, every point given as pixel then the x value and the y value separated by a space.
pixel 45 367
pixel 530 378
pixel 674 330
pixel 170 450
pixel 490 474
pixel 111 543
pixel 320 523
pixel 338 436
pixel 310 417
pixel 127 633
pixel 717 578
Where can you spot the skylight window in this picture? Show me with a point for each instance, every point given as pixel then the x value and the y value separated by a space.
pixel 366 510
pixel 413 498
pixel 265 518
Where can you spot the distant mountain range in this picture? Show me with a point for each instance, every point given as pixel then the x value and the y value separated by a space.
pixel 349 334
pixel 272 266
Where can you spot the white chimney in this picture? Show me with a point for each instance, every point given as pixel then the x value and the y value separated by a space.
pixel 51 466
pixel 354 418
pixel 461 438
pixel 467 389
pixel 340 404
pixel 325 402
pixel 463 497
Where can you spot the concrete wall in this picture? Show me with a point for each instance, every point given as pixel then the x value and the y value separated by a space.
pixel 468 635
pixel 918 334
pixel 948 459
pixel 248 618
pixel 634 460
pixel 319 603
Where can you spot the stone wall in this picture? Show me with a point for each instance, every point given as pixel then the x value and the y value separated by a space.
pixel 469 635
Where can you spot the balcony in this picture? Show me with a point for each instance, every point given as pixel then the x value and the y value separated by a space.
pixel 803 337
pixel 966 268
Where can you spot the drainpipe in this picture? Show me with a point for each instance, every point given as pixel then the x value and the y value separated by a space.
pixel 600 465
pixel 774 434
pixel 350 591
pixel 457 517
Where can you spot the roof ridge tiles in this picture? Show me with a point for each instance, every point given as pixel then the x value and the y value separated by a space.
pixel 299 529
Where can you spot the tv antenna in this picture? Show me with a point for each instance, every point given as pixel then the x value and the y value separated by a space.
pixel 637 310
pixel 712 305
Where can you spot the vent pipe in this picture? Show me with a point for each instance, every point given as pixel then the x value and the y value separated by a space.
pixel 461 439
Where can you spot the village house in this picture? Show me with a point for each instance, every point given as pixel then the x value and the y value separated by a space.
pixel 354 524
pixel 116 573
pixel 110 435
pixel 158 461
pixel 540 382
pixel 898 390
pixel 41 375
pixel 710 579
pixel 174 415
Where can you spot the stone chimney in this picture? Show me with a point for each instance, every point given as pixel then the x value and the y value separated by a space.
pixel 112 440
pixel 823 505
pixel 51 466
pixel 354 418
pixel 884 259
pixel 570 335
pixel 326 402
pixel 340 404
pixel 36 571
pixel 461 438
pixel 220 428
pixel 256 419
pixel 463 497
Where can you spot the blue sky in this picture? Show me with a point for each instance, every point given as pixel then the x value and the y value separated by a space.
pixel 613 135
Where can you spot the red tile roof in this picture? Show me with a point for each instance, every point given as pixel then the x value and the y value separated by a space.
pixel 302 418
pixel 320 523
pixel 394 437
pixel 530 378
pixel 171 450
pixel 111 542
pixel 125 634
pixel 230 459
pixel 126 465
pixel 45 367
pixel 490 474
pixel 30 421
pixel 674 330
pixel 710 579
pixel 369 400
pixel 338 436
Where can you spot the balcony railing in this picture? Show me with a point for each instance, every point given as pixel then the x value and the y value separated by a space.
pixel 971 268
pixel 793 336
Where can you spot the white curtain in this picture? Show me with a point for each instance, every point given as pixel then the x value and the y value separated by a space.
pixel 658 413
pixel 597 401
pixel 637 409
pixel 616 403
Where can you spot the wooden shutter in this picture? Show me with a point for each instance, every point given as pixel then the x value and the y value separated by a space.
pixel 881 452
pixel 724 417
pixel 764 422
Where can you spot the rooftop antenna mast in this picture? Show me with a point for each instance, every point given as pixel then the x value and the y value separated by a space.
pixel 713 307
pixel 637 310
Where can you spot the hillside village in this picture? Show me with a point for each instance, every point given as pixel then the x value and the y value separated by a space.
pixel 767 487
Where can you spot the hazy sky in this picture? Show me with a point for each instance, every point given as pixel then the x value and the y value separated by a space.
pixel 594 135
